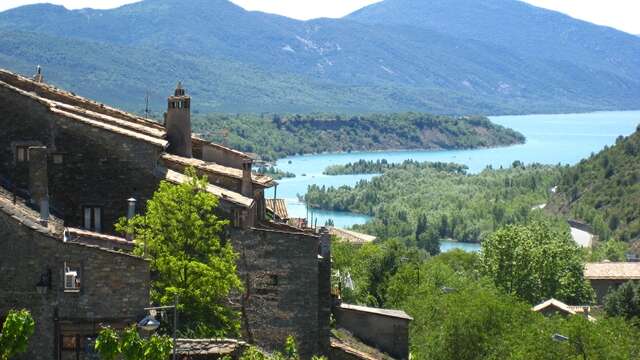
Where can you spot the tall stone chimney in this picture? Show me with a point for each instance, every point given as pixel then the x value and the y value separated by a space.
pixel 39 181
pixel 247 183
pixel 178 123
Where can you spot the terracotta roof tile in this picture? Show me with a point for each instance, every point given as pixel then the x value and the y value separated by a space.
pixel 208 346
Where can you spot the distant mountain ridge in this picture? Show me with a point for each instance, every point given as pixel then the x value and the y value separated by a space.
pixel 397 55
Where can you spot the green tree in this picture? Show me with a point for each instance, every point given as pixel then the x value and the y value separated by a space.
pixel 110 345
pixel 158 348
pixel 107 344
pixel 16 331
pixel 132 346
pixel 536 262
pixel 624 301
pixel 426 236
pixel 181 232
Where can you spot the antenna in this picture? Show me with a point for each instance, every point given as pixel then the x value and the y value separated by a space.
pixel 146 105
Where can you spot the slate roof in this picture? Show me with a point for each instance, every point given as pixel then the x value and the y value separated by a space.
pixel 73 232
pixel 208 167
pixel 185 347
pixel 222 193
pixel 278 207
pixel 612 271
pixel 383 312
pixel 75 108
pixel 30 218
pixel 352 236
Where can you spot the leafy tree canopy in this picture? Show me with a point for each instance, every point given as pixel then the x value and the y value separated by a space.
pixel 624 301
pixel 129 345
pixel 536 262
pixel 16 331
pixel 181 232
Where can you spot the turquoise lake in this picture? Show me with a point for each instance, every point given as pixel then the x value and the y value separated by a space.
pixel 551 139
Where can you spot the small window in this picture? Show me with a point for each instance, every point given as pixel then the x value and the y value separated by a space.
pixel 58 159
pixel 236 218
pixel 69 342
pixel 273 280
pixel 22 153
pixel 71 278
pixel 93 218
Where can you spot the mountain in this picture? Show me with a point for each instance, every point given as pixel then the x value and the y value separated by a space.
pixel 382 58
pixel 604 190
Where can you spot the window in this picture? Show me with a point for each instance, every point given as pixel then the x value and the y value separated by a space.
pixel 58 159
pixel 273 280
pixel 71 278
pixel 22 153
pixel 93 218
pixel 69 342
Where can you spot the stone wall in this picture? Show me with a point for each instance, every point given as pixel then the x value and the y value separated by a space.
pixel 87 166
pixel 386 333
pixel 280 273
pixel 223 156
pixel 114 287
pixel 603 286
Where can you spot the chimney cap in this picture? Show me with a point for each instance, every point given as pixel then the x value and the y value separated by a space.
pixel 179 89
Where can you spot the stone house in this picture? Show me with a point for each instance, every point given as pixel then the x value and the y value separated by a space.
pixel 607 276
pixel 72 288
pixel 99 157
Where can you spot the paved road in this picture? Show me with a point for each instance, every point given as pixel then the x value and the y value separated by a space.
pixel 581 237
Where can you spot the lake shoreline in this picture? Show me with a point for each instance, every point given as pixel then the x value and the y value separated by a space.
pixel 550 139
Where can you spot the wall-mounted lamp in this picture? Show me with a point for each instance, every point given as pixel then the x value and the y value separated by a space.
pixel 44 285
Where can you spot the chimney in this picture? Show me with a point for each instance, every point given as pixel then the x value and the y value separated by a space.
pixel 39 181
pixel 38 77
pixel 131 212
pixel 247 182
pixel 177 122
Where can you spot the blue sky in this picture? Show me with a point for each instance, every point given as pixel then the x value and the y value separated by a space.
pixel 621 14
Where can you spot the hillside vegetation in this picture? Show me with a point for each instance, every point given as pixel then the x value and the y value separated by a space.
pixel 604 190
pixel 446 57
pixel 456 205
pixel 275 136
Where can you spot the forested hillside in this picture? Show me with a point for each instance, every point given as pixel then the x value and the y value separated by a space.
pixel 234 60
pixel 456 205
pixel 276 136
pixel 604 190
